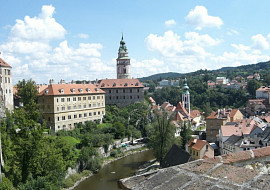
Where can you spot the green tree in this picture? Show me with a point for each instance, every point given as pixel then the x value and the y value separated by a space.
pixel 162 135
pixel 252 86
pixel 27 90
pixel 185 134
pixel 119 130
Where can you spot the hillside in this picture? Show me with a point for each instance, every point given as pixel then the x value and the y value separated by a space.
pixel 248 69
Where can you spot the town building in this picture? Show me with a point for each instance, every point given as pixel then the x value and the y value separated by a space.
pixel 219 118
pixel 6 87
pixel 199 149
pixel 221 80
pixel 123 61
pixel 63 106
pixel 263 92
pixel 122 92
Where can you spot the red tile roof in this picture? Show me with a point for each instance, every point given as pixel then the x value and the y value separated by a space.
pixel 119 83
pixel 263 88
pixel 195 113
pixel 233 112
pixel 3 63
pixel 55 89
pixel 196 144
pixel 180 107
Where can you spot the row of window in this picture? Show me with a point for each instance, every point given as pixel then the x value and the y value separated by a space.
pixel 69 126
pixel 123 97
pixel 79 98
pixel 124 91
pixel 94 105
pixel 6 71
pixel 75 116
pixel 5 80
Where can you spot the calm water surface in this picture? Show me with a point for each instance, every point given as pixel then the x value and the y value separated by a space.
pixel 107 177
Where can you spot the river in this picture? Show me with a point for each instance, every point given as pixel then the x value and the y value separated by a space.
pixel 107 177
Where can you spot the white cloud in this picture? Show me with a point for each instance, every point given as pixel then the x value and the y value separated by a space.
pixel 199 18
pixel 31 54
pixel 232 32
pixel 202 40
pixel 259 42
pixel 41 28
pixel 83 36
pixel 170 23
pixel 168 45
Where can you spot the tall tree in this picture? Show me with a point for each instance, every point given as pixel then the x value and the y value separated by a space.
pixel 162 135
pixel 27 90
pixel 185 134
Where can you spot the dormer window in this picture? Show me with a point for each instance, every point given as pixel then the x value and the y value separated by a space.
pixel 88 90
pixel 126 84
pixel 96 89
pixel 114 84
pixel 102 85
pixel 61 91
pixel 137 84
pixel 80 90
pixel 72 90
pixel 46 91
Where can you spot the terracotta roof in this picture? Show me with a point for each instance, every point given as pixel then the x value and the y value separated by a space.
pixel 179 117
pixel 233 112
pixel 211 84
pixel 250 77
pixel 196 144
pixel 41 88
pixel 170 108
pixel 68 89
pixel 195 113
pixel 263 88
pixel 180 107
pixel 242 127
pixel 165 104
pixel 119 83
pixel 3 63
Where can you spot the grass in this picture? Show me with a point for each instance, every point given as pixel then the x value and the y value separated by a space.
pixel 71 140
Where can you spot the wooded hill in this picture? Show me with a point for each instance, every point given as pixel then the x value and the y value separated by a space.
pixel 244 70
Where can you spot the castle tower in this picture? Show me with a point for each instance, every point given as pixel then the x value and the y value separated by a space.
pixel 186 97
pixel 123 61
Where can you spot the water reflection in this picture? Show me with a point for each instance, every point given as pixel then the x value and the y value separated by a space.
pixel 108 176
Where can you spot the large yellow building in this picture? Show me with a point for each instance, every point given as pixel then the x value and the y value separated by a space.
pixel 63 106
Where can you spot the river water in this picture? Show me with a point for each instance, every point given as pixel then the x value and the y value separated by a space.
pixel 107 177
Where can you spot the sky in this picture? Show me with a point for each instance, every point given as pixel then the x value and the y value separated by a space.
pixel 79 40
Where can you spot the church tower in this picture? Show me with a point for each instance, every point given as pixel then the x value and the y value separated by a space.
pixel 186 97
pixel 123 61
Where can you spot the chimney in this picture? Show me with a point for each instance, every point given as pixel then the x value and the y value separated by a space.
pixel 51 81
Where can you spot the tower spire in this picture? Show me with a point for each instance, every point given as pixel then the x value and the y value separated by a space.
pixel 186 97
pixel 123 61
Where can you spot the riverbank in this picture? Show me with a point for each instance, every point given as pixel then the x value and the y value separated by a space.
pixel 126 152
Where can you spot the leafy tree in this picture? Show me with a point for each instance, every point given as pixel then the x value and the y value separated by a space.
pixel 185 134
pixel 27 90
pixel 119 130
pixel 89 159
pixel 162 135
pixel 252 86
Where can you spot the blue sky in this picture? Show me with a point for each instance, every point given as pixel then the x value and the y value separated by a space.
pixel 76 40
